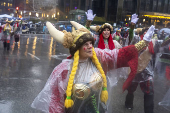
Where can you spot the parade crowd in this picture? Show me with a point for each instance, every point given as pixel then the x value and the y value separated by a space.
pixel 99 57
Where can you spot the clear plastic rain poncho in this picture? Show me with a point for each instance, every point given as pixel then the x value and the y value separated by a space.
pixel 6 33
pixel 147 58
pixel 163 74
pixel 86 87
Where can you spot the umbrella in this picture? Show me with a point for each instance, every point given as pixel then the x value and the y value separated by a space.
pixel 166 30
pixel 5 16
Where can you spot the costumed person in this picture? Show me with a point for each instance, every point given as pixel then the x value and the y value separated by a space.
pixel 7 30
pixel 104 39
pixel 165 62
pixel 16 31
pixel 79 84
pixel 140 32
pixel 125 36
pixel 136 37
pixel 117 36
pixel 155 36
pixel 162 35
pixel 144 75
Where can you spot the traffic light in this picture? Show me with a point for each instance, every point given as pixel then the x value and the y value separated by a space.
pixel 27 1
pixel 17 8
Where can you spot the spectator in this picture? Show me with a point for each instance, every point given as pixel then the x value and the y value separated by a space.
pixel 162 36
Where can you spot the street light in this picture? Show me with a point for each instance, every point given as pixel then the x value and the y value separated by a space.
pixel 129 18
pixel 21 12
pixel 47 15
pixel 37 14
pixel 29 13
pixel 54 15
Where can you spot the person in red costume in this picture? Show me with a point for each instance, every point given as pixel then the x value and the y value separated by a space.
pixel 81 83
pixel 144 76
pixel 16 31
pixel 104 40
pixel 117 36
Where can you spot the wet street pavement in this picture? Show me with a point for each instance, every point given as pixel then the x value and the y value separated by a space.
pixel 25 69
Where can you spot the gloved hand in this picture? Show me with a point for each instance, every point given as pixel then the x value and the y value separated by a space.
pixel 134 18
pixel 148 36
pixel 160 41
pixel 90 15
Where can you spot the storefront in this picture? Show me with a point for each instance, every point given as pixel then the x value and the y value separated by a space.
pixel 154 18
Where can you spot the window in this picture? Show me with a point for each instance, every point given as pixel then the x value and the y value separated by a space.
pixel 27 1
pixel 148 5
pixel 142 5
pixel 165 10
pixel 159 5
pixel 154 5
pixel 4 3
pixel 169 7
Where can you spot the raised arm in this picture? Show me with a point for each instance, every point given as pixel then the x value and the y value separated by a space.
pixel 90 18
pixel 134 20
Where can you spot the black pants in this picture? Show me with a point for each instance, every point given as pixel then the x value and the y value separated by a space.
pixel 16 37
pixel 147 88
pixel 6 45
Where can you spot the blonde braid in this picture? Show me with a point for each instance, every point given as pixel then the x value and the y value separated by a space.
pixel 9 28
pixel 69 102
pixel 104 93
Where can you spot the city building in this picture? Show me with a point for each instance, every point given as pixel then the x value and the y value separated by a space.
pixel 155 12
pixel 7 7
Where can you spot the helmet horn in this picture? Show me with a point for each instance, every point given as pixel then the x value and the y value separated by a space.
pixel 56 34
pixel 93 28
pixel 77 25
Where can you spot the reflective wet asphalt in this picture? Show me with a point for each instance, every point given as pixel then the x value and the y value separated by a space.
pixel 25 68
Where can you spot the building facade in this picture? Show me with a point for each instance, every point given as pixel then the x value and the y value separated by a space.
pixel 7 6
pixel 155 12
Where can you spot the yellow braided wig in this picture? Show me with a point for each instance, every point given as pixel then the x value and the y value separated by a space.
pixel 9 27
pixel 69 102
pixel 104 94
